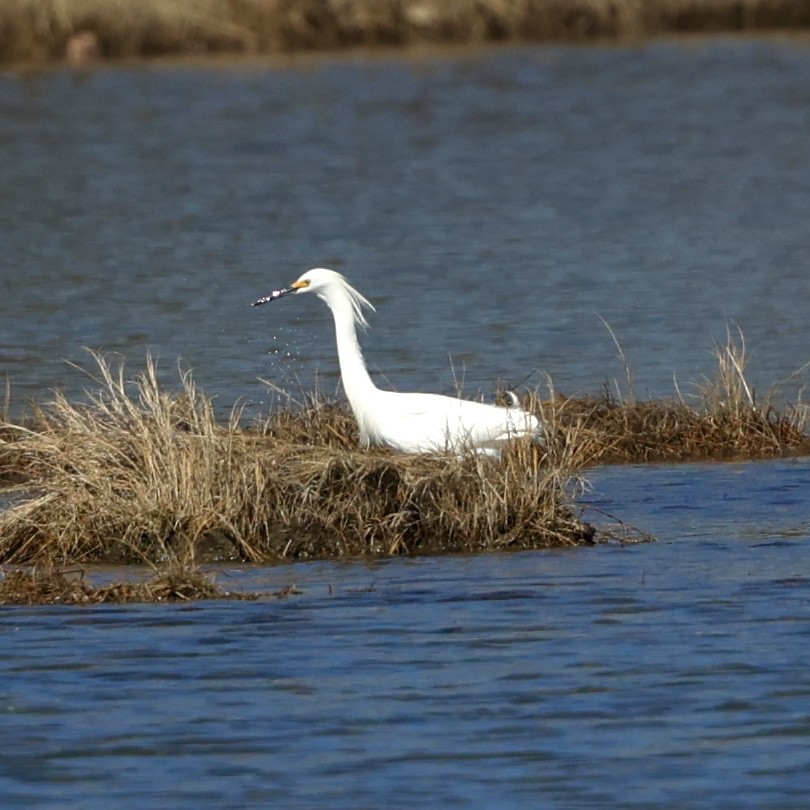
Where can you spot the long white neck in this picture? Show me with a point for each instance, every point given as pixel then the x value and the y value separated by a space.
pixel 357 383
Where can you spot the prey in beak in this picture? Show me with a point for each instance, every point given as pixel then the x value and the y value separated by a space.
pixel 296 286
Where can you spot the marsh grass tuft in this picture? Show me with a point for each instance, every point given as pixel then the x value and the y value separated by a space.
pixel 139 474
pixel 45 585
pixel 722 420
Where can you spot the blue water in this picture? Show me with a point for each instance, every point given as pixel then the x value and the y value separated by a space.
pixel 665 675
pixel 489 204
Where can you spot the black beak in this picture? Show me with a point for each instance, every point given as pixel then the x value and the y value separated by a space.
pixel 275 294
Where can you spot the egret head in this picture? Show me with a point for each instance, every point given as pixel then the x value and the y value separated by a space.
pixel 303 284
pixel 330 287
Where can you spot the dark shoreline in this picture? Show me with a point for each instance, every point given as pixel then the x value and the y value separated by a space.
pixel 47 33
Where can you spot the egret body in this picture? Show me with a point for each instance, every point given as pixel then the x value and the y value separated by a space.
pixel 406 422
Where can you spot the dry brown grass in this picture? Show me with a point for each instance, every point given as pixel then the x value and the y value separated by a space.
pixel 47 586
pixel 139 474
pixel 50 30
pixel 722 420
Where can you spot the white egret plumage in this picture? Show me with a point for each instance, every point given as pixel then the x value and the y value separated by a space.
pixel 407 422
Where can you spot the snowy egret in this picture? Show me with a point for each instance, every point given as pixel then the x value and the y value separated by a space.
pixel 409 423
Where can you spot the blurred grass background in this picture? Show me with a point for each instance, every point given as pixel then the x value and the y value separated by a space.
pixel 79 31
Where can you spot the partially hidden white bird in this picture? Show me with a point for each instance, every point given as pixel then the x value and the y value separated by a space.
pixel 406 422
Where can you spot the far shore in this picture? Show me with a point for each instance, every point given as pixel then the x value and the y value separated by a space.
pixel 81 33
